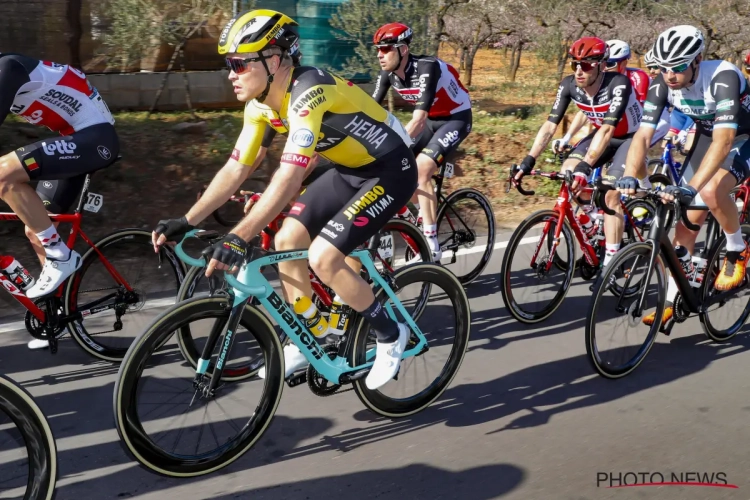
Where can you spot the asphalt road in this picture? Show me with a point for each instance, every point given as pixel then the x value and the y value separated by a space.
pixel 525 418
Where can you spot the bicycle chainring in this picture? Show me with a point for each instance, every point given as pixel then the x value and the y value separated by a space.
pixel 318 384
pixel 678 310
pixel 37 329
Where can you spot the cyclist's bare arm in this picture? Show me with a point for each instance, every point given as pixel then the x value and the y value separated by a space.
pixel 579 120
pixel 225 183
pixel 417 123
pixel 543 137
pixel 635 162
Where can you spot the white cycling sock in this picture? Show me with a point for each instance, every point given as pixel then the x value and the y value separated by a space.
pixel 54 247
pixel 430 232
pixel 735 243
pixel 671 290
pixel 610 252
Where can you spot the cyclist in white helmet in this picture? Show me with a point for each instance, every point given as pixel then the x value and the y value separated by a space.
pixel 650 61
pixel 715 95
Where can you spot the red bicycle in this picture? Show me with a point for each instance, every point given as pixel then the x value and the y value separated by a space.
pixel 101 294
pixel 555 232
pixel 412 245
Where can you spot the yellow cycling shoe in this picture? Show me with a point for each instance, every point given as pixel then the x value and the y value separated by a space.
pixel 666 316
pixel 733 271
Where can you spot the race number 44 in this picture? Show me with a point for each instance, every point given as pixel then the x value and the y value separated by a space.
pixel 386 246
pixel 94 203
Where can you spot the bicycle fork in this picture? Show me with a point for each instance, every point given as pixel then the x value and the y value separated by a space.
pixel 224 329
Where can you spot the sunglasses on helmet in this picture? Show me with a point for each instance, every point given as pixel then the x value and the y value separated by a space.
pixel 240 65
pixel 586 66
pixel 680 68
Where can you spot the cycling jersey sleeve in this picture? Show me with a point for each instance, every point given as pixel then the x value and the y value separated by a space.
pixel 429 76
pixel 248 144
pixel 640 83
pixel 561 101
pixel 656 100
pixel 12 77
pixel 268 136
pixel 620 89
pixel 726 91
pixel 311 98
pixel 382 84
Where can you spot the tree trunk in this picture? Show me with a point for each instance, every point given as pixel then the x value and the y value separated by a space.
pixel 512 58
pixel 390 101
pixel 188 101
pixel 515 63
pixel 469 65
pixel 464 55
pixel 439 28
pixel 75 31
pixel 505 52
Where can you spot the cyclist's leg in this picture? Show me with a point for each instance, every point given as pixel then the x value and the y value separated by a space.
pixel 382 189
pixel 85 151
pixel 58 196
pixel 448 135
pixel 715 194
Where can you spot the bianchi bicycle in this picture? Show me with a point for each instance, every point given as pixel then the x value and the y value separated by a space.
pixel 27 446
pixel 118 275
pixel 180 421
pixel 637 319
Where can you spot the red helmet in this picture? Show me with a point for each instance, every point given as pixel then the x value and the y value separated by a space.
pixel 747 59
pixel 589 48
pixel 392 34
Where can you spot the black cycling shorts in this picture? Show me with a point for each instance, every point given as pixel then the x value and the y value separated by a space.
pixel 86 151
pixel 60 195
pixel 347 206
pixel 441 137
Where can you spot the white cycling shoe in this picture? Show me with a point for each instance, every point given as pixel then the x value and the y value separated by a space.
pixel 38 344
pixel 293 360
pixel 54 273
pixel 387 359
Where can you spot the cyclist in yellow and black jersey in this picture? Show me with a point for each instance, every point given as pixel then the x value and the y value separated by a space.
pixel 375 174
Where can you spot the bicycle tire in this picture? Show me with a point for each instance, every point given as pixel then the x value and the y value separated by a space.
pixel 132 435
pixel 486 206
pixel 713 256
pixel 592 353
pixel 447 281
pixel 32 424
pixel 222 220
pixel 541 216
pixel 77 330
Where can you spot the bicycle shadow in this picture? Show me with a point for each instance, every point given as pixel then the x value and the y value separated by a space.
pixel 413 481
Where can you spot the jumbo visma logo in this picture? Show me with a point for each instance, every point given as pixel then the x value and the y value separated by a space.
pixel 369 199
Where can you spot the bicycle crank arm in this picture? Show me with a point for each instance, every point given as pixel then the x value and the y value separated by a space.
pixel 348 378
pixel 92 305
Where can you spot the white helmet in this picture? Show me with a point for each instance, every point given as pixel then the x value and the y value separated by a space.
pixel 678 45
pixel 618 50
pixel 649 59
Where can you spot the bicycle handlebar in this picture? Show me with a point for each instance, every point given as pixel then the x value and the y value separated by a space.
pixel 202 262
pixel 602 188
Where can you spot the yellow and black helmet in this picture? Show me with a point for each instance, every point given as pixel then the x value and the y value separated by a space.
pixel 258 30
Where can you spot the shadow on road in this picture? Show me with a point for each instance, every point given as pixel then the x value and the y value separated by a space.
pixel 414 481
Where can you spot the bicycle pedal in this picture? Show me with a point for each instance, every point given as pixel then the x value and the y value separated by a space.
pixel 297 378
pixel 666 327
pixel 53 345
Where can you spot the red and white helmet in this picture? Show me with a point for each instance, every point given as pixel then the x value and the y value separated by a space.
pixel 590 48
pixel 747 59
pixel 393 34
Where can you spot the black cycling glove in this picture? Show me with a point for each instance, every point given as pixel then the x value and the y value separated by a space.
pixel 527 164
pixel 231 250
pixel 627 183
pixel 684 194
pixel 173 229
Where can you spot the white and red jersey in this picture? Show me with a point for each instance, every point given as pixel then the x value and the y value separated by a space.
pixel 52 95
pixel 614 104
pixel 430 84
pixel 640 81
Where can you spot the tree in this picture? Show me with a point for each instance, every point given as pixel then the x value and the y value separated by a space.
pixel 75 31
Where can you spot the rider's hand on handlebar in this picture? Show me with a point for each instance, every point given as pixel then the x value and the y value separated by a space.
pixel 228 254
pixel 627 185
pixel 254 197
pixel 526 166
pixel 559 145
pixel 685 194
pixel 169 230
pixel 580 176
